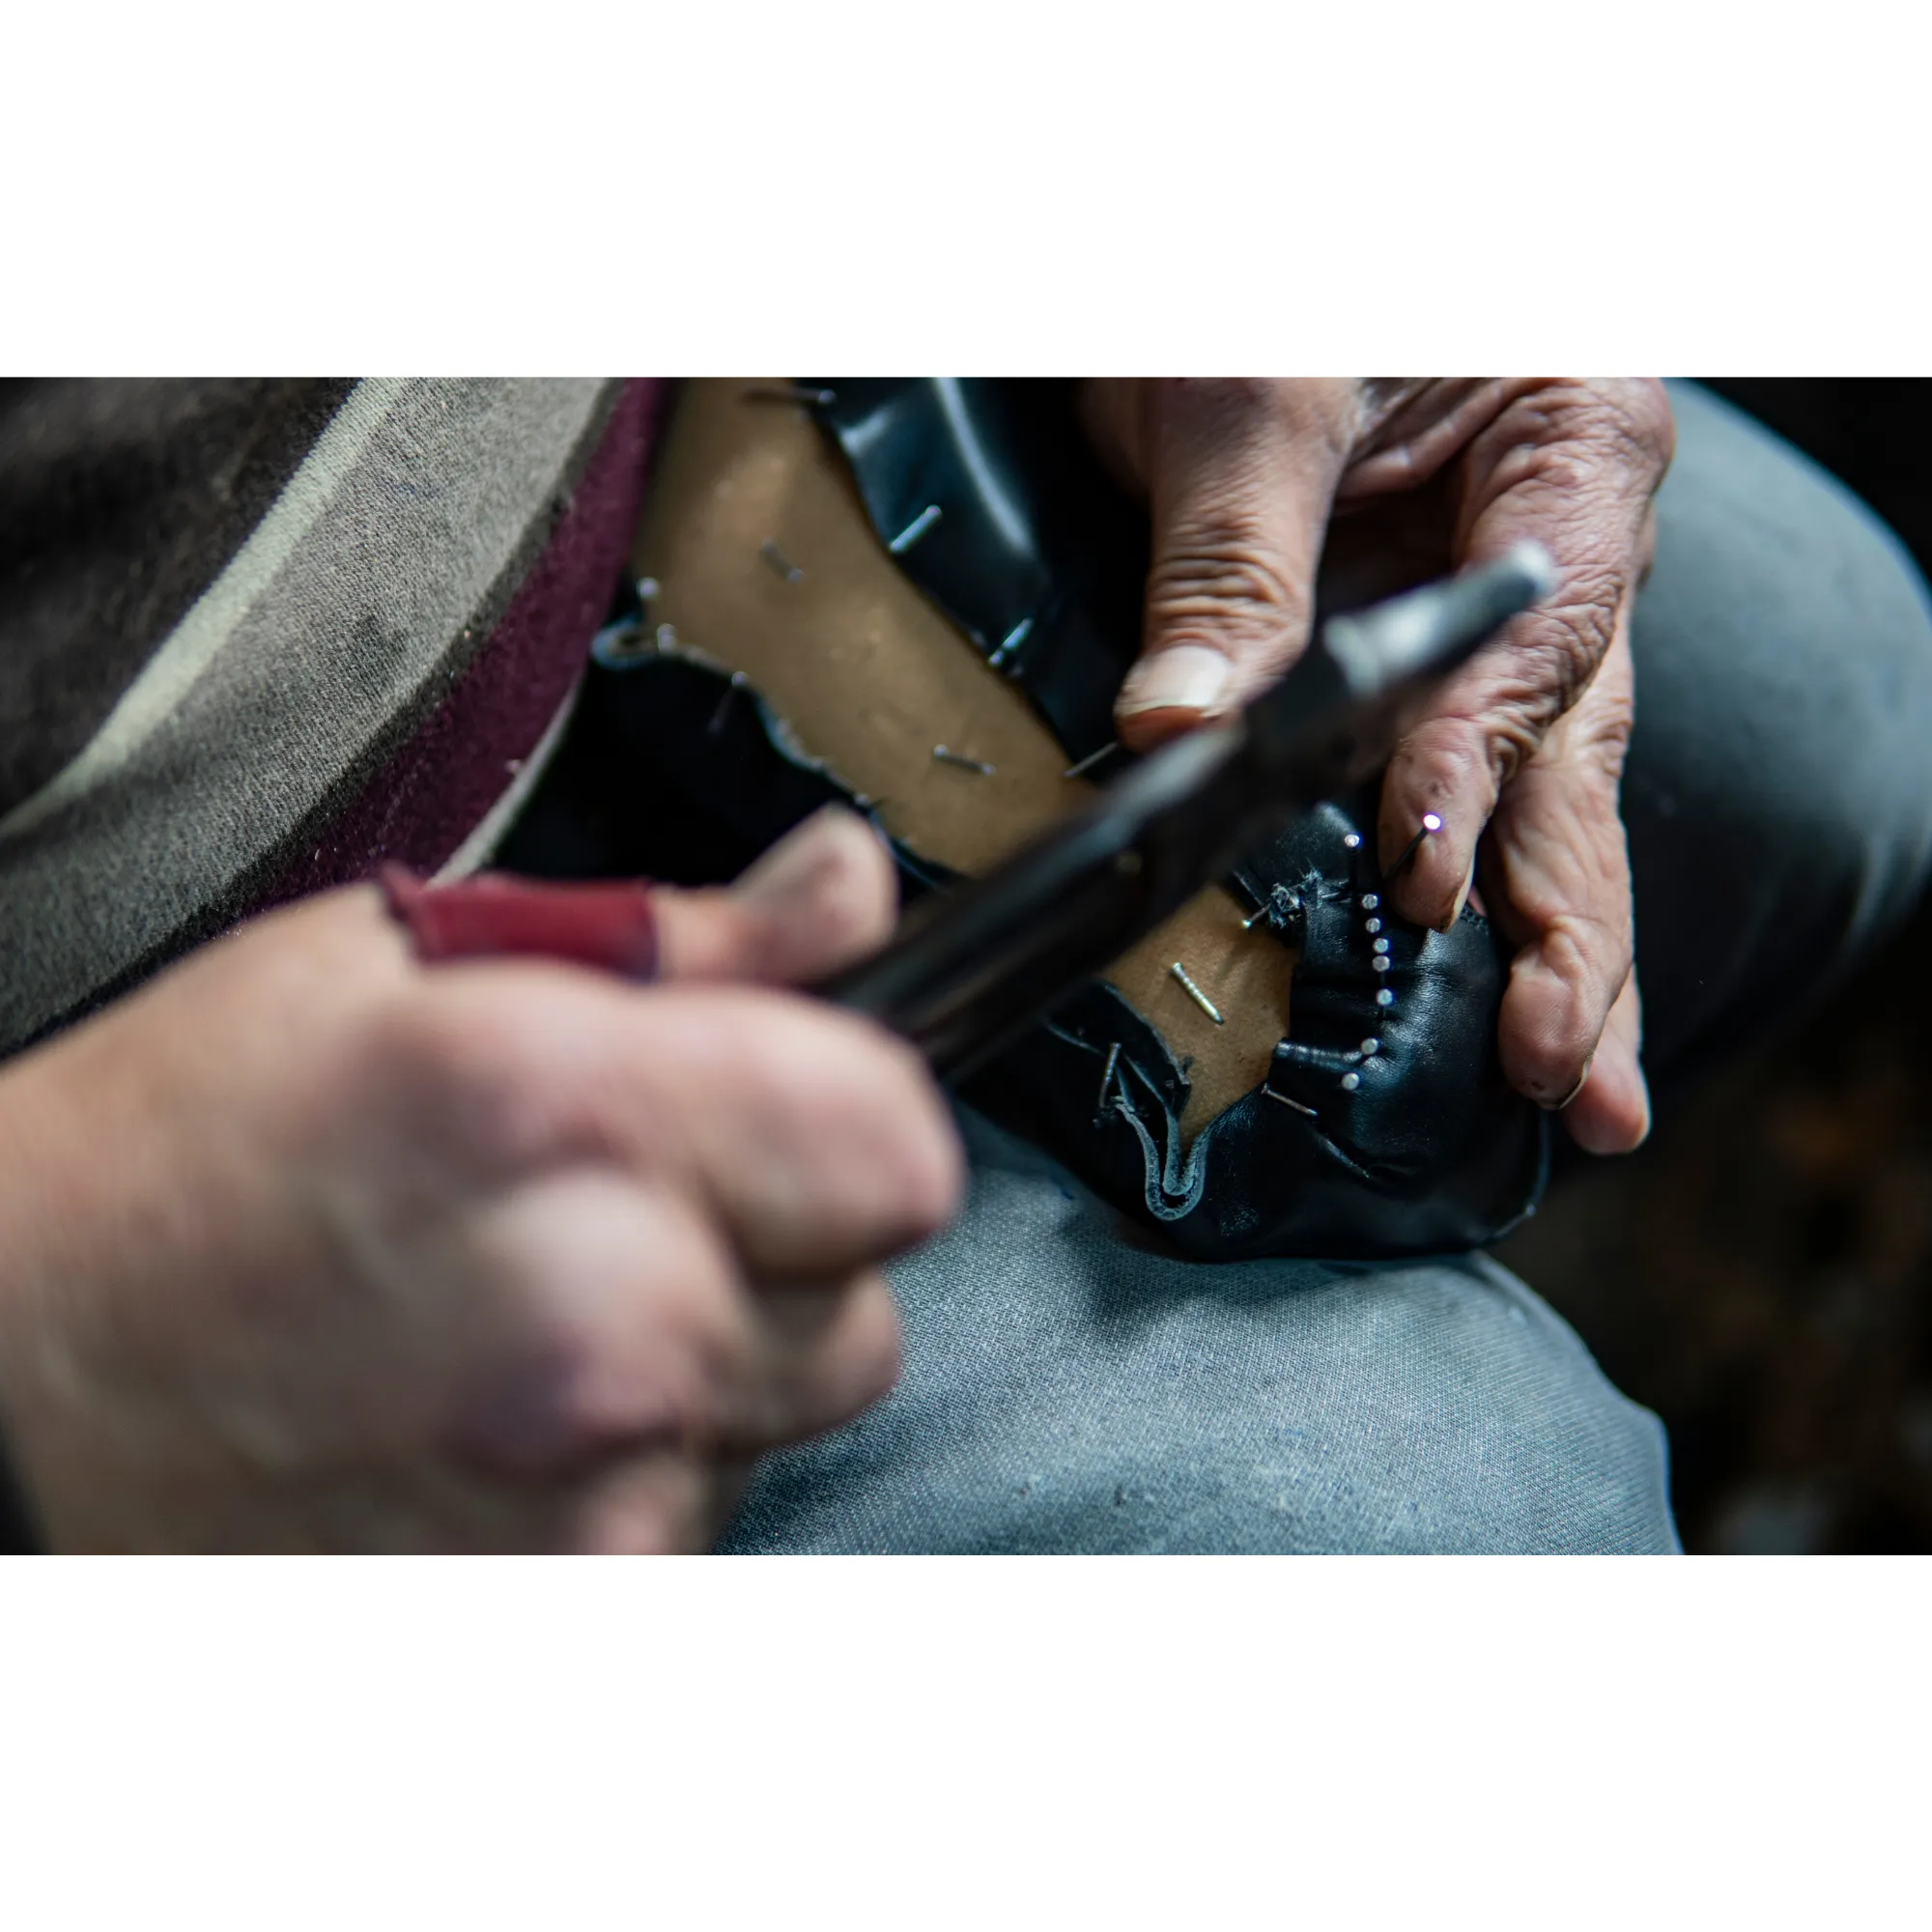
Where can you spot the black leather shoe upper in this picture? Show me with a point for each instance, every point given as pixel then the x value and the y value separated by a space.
pixel 1384 1126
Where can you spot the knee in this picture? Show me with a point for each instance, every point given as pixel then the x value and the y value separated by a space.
pixel 1784 662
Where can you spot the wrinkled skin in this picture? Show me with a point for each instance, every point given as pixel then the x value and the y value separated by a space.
pixel 308 1245
pixel 1521 752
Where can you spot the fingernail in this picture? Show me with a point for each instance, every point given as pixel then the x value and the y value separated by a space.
pixel 1463 899
pixel 1582 1081
pixel 792 867
pixel 1183 677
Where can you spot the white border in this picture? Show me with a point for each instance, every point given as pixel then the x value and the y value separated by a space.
pixel 1566 1742
pixel 1013 190
pixel 1023 188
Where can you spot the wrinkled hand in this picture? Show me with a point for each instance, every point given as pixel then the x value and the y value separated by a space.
pixel 309 1245
pixel 1249 480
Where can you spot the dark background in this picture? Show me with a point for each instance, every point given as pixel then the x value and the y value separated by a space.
pixel 1760 1271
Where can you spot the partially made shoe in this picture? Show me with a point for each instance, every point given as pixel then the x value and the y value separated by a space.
pixel 919 598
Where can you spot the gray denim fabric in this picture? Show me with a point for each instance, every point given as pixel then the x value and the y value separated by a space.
pixel 1779 795
pixel 1071 1386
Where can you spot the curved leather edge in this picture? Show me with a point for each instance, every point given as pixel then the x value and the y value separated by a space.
pixel 984 494
pixel 1430 1153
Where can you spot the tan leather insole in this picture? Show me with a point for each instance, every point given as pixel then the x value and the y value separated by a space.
pixel 869 676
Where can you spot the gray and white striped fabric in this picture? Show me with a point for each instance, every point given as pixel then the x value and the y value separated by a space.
pixel 370 576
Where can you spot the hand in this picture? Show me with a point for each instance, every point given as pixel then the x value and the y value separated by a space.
pixel 310 1245
pixel 1527 740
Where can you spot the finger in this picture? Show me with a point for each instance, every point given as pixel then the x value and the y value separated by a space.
pixel 602 1315
pixel 822 1144
pixel 1557 881
pixel 1575 468
pixel 843 1355
pixel 1611 1113
pixel 832 1350
pixel 659 1505
pixel 824 895
pixel 608 1321
pixel 657 1501
pixel 1240 476
pixel 817 1141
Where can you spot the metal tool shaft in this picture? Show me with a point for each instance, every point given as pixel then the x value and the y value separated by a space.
pixel 970 968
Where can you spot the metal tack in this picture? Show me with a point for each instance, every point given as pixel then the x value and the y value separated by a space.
pixel 914 529
pixel 732 691
pixel 1286 1102
pixel 1091 758
pixel 1430 825
pixel 781 563
pixel 1107 1078
pixel 1012 642
pixel 790 392
pixel 961 759
pixel 1195 993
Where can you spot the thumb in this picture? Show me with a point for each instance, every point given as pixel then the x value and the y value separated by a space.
pixel 1241 476
pixel 1558 884
pixel 820 898
pixel 824 895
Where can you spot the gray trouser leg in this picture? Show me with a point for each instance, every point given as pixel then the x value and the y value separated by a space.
pixel 1071 1386
pixel 1778 796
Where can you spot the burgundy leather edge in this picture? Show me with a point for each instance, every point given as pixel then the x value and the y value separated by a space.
pixel 613 926
pixel 421 805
